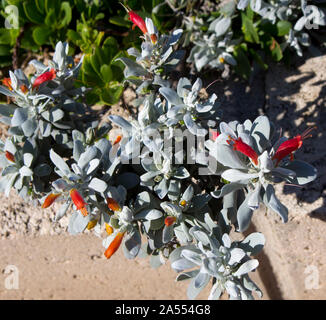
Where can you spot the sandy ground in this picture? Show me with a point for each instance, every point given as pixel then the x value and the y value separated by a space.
pixel 54 265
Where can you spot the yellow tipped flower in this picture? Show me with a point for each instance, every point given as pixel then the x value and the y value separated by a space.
pixel 222 60
pixel 91 224
pixel 78 201
pixel 109 230
pixel 113 205
pixel 183 203
pixel 50 199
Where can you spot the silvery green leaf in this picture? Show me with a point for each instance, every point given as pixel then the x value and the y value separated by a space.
pixel 62 211
pixel 300 24
pixel 133 52
pixel 188 194
pixel 98 185
pixel 59 163
pixel 25 171
pixel 78 149
pixel 171 209
pixel 234 175
pixel 229 58
pixel 236 255
pixel 149 214
pixel 201 280
pixel 210 266
pixel 42 170
pixel 174 190
pixel 19 117
pixel 305 172
pixel 192 126
pixel 181 173
pixel 182 264
pixel 143 200
pixel 29 127
pixel 222 26
pixel 9 170
pixel 6 92
pixel 242 4
pixel 253 243
pixel 192 291
pixel 174 38
pixel 261 131
pixel 247 267
pixel 228 157
pixel 200 200
pixel 77 223
pixel 184 86
pixel 226 240
pixel 251 286
pixel 156 261
pixel 132 68
pixel 93 164
pixel 254 198
pixel 244 215
pixel 7 110
pixel 60 184
pixel 226 189
pixel 168 233
pixel 132 244
pixel 215 292
pixel 162 188
pixel 187 275
pixel 171 96
pixel 273 203
pixel 28 159
pixel 45 128
pixel 124 124
pixel 231 288
pixel 89 154
pixel 39 66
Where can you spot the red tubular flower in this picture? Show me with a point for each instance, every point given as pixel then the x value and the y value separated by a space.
pixel 46 76
pixel 114 245
pixel 7 82
pixel 242 147
pixel 288 147
pixel 112 204
pixel 50 199
pixel 78 201
pixel 10 156
pixel 169 221
pixel 138 21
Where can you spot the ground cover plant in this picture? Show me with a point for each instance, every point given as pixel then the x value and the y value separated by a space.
pixel 178 180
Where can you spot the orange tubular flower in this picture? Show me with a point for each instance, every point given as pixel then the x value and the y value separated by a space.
pixel 7 82
pixel 113 205
pixel 214 135
pixel 288 147
pixel 114 245
pixel 117 140
pixel 169 221
pixel 46 76
pixel 10 156
pixel 50 199
pixel 78 201
pixel 109 230
pixel 242 147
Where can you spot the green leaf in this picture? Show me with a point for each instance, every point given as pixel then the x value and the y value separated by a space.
pixel 41 35
pixel 283 27
pixel 275 49
pixel 120 21
pixel 243 65
pixel 65 14
pixel 111 95
pixel 249 30
pixel 106 73
pixel 32 12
